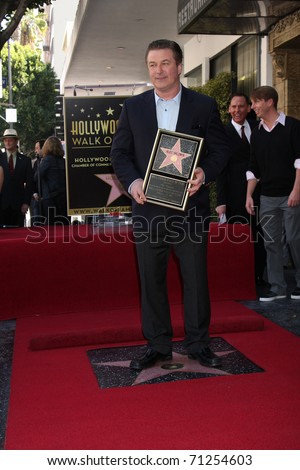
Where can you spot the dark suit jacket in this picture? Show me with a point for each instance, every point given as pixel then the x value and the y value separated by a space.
pixel 17 189
pixel 135 136
pixel 232 182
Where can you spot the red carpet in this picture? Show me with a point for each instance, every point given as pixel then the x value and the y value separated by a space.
pixel 123 326
pixel 70 269
pixel 75 291
pixel 56 402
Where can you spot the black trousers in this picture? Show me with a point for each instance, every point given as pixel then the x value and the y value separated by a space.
pixel 153 257
pixel 12 217
pixel 55 215
pixel 260 256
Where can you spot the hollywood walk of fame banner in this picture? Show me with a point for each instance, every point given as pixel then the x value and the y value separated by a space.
pixel 172 163
pixel 90 124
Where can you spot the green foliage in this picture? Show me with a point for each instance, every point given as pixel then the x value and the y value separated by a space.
pixel 12 5
pixel 11 13
pixel 32 29
pixel 219 88
pixel 33 94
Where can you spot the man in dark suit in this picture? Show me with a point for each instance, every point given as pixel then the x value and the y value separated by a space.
pixel 18 181
pixel 232 182
pixel 159 229
pixel 36 210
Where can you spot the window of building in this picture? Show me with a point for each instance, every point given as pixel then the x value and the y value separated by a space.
pixel 242 58
pixel 194 78
pixel 221 63
pixel 247 65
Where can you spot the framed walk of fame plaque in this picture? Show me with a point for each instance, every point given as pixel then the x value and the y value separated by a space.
pixel 172 163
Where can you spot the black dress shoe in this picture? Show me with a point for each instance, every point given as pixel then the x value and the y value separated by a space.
pixel 206 357
pixel 149 359
pixel 260 282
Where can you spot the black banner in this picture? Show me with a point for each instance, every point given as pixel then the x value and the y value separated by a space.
pixel 90 124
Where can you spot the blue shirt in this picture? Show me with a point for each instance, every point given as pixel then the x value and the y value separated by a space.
pixel 167 112
pixel 167 115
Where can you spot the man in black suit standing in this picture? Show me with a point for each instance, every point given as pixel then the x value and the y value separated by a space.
pixel 18 181
pixel 159 229
pixel 232 182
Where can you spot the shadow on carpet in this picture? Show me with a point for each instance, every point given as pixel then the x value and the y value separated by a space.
pixel 111 365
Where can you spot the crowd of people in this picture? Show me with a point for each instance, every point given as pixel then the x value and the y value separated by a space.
pixel 261 186
pixel 37 185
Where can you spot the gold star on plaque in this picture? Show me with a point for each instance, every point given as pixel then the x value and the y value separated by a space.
pixel 174 156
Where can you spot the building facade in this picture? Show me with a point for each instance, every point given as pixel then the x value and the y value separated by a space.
pixel 257 40
pixel 284 48
pixel 265 52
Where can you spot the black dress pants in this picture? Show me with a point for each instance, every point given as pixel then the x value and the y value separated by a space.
pixel 12 217
pixel 153 257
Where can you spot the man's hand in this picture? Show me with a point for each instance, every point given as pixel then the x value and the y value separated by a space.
pixel 250 205
pixel 137 192
pixel 197 181
pixel 294 198
pixel 251 185
pixel 220 210
pixel 24 208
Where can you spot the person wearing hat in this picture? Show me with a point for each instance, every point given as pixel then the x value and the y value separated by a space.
pixel 18 181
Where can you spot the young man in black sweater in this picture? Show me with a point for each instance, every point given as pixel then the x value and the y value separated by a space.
pixel 275 162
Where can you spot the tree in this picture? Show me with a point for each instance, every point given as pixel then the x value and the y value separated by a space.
pixel 31 30
pixel 219 88
pixel 11 13
pixel 33 95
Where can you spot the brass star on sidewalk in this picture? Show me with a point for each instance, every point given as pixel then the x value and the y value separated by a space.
pixel 112 365
pixel 179 363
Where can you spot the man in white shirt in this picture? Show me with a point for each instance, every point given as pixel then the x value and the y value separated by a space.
pixel 275 162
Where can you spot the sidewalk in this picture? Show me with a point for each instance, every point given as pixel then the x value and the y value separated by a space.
pixel 283 312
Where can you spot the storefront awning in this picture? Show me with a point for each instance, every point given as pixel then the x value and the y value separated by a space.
pixel 232 16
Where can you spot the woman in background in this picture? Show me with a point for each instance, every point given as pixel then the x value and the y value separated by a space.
pixel 53 182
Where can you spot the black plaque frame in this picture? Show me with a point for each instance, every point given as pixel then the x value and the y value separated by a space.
pixel 173 160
